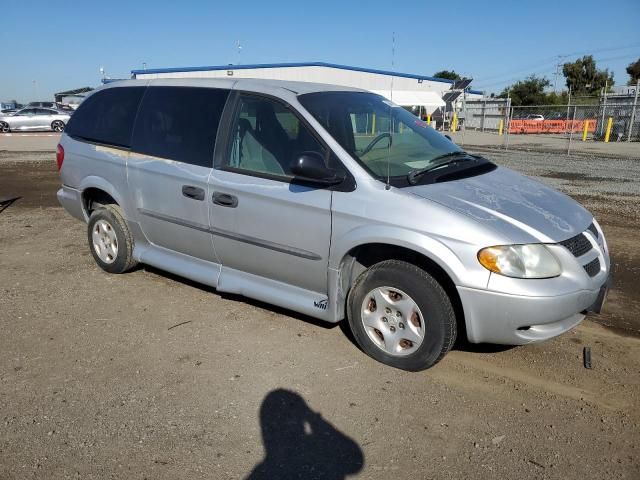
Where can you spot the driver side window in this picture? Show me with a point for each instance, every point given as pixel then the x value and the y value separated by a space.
pixel 267 137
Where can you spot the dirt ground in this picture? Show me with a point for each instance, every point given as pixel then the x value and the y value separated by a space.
pixel 145 375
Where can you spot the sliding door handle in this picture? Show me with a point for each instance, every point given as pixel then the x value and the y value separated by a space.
pixel 190 191
pixel 225 200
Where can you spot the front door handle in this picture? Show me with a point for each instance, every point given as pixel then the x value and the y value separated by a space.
pixel 225 200
pixel 190 191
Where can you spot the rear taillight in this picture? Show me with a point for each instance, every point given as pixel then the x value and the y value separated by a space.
pixel 59 156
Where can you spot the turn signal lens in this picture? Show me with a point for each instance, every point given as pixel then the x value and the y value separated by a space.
pixel 520 261
pixel 59 156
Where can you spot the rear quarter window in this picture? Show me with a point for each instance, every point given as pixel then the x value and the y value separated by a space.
pixel 107 116
pixel 179 123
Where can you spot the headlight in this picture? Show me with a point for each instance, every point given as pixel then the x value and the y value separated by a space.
pixel 520 261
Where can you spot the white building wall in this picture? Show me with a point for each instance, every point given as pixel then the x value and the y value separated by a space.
pixel 317 74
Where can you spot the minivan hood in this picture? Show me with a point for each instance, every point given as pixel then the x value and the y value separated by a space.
pixel 515 206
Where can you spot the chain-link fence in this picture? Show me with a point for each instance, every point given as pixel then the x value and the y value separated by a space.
pixel 605 125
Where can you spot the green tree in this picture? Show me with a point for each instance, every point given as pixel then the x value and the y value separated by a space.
pixel 634 72
pixel 583 77
pixel 448 74
pixel 529 91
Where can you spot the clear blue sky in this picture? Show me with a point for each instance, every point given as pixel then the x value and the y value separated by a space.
pixel 62 45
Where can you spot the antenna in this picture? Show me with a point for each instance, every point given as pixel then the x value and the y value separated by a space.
pixel 239 49
pixel 393 64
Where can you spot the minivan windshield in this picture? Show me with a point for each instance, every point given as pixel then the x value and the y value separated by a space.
pixel 382 136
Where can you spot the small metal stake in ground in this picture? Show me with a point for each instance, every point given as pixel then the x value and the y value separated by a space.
pixel 586 356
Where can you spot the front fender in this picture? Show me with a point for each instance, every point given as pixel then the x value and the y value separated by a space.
pixel 428 246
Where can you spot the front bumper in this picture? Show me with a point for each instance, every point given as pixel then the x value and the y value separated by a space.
pixel 493 317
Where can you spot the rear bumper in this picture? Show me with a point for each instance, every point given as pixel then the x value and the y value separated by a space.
pixel 71 201
pixel 493 317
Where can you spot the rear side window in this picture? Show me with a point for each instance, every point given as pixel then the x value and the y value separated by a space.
pixel 107 116
pixel 179 123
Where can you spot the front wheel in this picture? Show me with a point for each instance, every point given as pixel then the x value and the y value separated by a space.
pixel 401 316
pixel 57 126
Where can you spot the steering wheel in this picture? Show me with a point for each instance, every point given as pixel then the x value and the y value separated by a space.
pixel 373 142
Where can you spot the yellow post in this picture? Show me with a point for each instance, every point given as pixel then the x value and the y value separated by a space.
pixel 500 127
pixel 608 132
pixel 429 118
pixel 454 123
pixel 373 125
pixel 584 130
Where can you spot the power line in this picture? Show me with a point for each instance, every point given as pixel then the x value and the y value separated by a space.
pixel 554 69
pixel 554 59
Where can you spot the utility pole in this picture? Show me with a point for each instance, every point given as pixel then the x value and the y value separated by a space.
pixel 604 104
pixel 633 112
pixel 557 74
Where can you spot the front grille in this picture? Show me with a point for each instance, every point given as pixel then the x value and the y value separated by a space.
pixel 592 228
pixel 593 267
pixel 578 245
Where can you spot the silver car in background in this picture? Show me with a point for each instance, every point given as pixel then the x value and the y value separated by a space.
pixel 332 202
pixel 34 119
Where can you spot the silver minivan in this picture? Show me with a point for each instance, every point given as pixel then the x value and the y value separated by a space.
pixel 333 202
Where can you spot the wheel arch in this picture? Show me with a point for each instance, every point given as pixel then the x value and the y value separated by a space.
pixel 438 260
pixel 97 191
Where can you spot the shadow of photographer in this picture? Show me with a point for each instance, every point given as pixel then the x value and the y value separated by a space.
pixel 299 443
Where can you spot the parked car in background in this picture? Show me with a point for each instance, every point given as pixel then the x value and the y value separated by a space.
pixel 264 188
pixel 534 117
pixel 34 119
pixel 53 105
pixel 557 116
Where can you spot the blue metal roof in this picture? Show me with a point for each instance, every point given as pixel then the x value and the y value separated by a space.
pixel 294 64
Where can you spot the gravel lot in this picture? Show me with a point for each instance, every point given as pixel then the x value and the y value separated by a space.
pixel 100 376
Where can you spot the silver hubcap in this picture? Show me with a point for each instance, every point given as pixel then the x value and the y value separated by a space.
pixel 57 126
pixel 105 242
pixel 393 321
pixel 4 127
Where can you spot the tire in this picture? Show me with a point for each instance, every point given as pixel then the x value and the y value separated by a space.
pixel 57 126
pixel 383 296
pixel 4 127
pixel 110 240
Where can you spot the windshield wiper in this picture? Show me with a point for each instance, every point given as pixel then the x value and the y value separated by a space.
pixel 451 157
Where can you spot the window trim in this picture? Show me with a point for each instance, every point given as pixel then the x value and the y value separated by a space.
pixel 230 115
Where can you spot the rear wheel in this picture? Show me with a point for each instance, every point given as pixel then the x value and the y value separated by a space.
pixel 110 240
pixel 57 126
pixel 4 127
pixel 401 316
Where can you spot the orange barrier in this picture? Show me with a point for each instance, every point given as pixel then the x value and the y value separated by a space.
pixel 551 126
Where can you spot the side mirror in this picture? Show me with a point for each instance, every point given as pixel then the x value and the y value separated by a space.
pixel 310 166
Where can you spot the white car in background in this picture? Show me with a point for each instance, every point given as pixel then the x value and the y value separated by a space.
pixel 34 118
